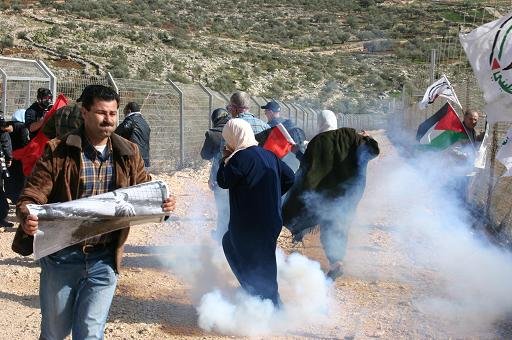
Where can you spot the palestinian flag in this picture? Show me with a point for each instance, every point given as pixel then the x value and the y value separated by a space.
pixel 441 130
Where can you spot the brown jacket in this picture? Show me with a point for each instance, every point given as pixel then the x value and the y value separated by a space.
pixel 56 178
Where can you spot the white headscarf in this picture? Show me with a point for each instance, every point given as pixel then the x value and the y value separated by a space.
pixel 327 121
pixel 238 136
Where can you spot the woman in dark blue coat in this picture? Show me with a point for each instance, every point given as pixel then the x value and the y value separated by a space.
pixel 256 180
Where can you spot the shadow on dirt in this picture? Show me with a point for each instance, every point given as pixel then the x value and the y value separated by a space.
pixel 175 318
pixel 146 257
pixel 27 262
pixel 31 301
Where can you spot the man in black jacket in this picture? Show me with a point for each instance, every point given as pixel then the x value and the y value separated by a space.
pixel 135 128
pixel 19 136
pixel 211 150
pixel 35 113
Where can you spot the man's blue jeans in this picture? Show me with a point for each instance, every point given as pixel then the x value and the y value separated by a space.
pixel 76 291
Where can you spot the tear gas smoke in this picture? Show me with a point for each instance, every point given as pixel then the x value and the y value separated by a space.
pixel 416 200
pixel 221 304
pixel 420 198
pixel 225 308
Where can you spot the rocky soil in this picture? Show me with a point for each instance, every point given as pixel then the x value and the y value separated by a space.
pixel 375 298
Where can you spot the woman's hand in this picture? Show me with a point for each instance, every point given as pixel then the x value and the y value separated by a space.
pixel 226 152
pixel 364 133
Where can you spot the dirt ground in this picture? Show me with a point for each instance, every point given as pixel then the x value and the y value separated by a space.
pixel 376 296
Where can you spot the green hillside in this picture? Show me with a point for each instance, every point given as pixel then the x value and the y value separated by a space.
pixel 346 55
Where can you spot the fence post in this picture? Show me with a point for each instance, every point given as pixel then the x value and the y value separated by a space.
pixel 492 170
pixel 225 97
pixel 467 105
pixel 432 65
pixel 4 91
pixel 182 126
pixel 53 79
pixel 210 103
pixel 258 105
pixel 112 82
pixel 297 108
pixel 289 110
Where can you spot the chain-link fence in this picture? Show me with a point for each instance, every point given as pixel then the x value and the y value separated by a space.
pixel 178 114
pixel 161 105
pixel 20 79
pixel 363 121
pixel 72 87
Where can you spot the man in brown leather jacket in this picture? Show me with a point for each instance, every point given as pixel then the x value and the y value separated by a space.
pixel 77 283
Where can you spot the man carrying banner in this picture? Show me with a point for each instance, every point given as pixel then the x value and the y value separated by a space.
pixel 77 283
pixel 445 133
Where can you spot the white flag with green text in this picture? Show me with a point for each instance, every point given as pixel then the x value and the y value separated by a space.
pixel 489 50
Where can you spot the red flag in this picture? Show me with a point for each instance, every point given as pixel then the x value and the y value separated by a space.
pixel 279 141
pixel 30 153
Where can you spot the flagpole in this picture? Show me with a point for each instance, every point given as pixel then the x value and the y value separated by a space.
pixel 494 149
pixel 464 126
pixel 453 90
pixel 467 133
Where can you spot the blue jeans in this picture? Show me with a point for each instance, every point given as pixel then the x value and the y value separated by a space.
pixel 76 291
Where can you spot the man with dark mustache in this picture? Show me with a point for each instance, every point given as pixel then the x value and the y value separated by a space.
pixel 77 283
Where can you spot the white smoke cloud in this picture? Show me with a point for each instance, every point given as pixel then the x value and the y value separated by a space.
pixel 304 291
pixel 417 198
pixel 224 307
pixel 456 276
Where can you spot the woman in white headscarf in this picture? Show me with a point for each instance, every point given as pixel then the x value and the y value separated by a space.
pixel 256 179
pixel 327 121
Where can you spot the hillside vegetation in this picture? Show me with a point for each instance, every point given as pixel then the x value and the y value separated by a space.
pixel 350 56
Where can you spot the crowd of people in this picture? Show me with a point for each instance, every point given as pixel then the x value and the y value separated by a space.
pixel 256 193
pixel 264 192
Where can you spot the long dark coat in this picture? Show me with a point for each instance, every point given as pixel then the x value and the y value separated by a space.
pixel 256 179
pixel 333 165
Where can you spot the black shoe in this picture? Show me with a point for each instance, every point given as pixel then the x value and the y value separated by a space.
pixel 335 271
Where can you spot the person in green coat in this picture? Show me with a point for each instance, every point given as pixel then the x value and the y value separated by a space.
pixel 329 184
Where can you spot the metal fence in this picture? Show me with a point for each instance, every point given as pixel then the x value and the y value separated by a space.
pixel 72 87
pixel 178 114
pixel 20 80
pixel 363 121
